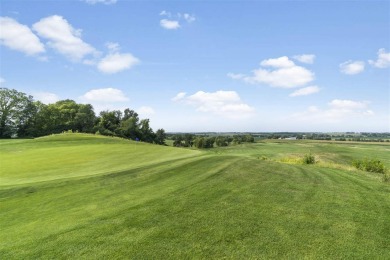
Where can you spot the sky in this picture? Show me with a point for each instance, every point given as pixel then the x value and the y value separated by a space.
pixel 196 66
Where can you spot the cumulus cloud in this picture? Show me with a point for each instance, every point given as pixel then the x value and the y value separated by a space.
pixel 46 97
pixel 281 62
pixel 383 60
pixel 223 103
pixel 305 91
pixel 115 61
pixel 105 99
pixel 284 73
pixel 169 24
pixel 348 104
pixel 106 2
pixel 305 58
pixel 236 75
pixel 352 67
pixel 63 38
pixel 337 110
pixel 105 95
pixel 179 96
pixel 290 77
pixel 165 13
pixel 189 18
pixel 146 111
pixel 19 37
pixel 173 22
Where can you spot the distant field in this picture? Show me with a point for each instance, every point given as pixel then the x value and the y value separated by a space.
pixel 84 197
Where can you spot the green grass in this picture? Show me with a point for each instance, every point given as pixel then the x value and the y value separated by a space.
pixel 154 202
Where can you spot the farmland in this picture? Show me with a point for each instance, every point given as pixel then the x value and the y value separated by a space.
pixel 85 196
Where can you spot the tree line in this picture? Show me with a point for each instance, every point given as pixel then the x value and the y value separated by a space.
pixel 203 141
pixel 22 116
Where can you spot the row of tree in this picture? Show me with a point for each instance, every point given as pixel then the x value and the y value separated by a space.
pixel 201 141
pixel 21 116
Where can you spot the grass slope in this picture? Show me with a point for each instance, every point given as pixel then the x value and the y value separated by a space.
pixel 77 155
pixel 179 203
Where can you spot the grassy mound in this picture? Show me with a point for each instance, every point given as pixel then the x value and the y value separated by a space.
pixel 178 203
pixel 77 155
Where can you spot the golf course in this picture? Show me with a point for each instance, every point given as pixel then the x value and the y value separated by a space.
pixel 84 196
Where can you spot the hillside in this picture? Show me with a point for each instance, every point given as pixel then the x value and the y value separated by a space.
pixel 84 196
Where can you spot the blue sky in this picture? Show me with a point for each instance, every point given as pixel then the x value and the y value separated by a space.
pixel 207 65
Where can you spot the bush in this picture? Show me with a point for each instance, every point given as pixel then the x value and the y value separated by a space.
pixel 386 177
pixel 372 165
pixel 309 159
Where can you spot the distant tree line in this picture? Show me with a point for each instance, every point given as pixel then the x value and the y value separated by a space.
pixel 21 116
pixel 205 141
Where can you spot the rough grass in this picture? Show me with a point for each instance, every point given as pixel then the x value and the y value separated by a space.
pixel 222 203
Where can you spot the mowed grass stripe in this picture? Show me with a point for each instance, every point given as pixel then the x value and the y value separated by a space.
pixel 44 208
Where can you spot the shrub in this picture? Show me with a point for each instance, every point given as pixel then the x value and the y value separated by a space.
pixel 309 159
pixel 370 165
pixel 386 177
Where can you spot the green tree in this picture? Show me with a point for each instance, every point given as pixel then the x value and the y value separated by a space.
pixel 13 107
pixel 188 140
pixel 199 142
pixel 160 137
pixel 147 134
pixel 29 124
pixel 84 119
pixel 109 122
pixel 221 141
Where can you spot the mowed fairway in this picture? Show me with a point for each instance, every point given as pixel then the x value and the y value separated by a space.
pixel 86 197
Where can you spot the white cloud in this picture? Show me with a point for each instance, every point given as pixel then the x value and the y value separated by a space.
pixel 63 37
pixel 169 24
pixel 114 61
pixel 223 103
pixel 106 95
pixel 291 77
pixel 348 104
pixel 19 37
pixel 236 76
pixel 46 97
pixel 165 13
pixel 145 111
pixel 106 2
pixel 383 60
pixel 305 58
pixel 113 47
pixel 281 62
pixel 174 21
pixel 105 99
pixel 189 18
pixel 2 80
pixel 179 96
pixel 336 112
pixel 283 74
pixel 305 91
pixel 352 67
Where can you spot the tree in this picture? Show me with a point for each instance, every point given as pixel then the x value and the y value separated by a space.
pixel 129 128
pixel 29 124
pixel 178 140
pixel 188 140
pixel 199 142
pixel 160 137
pixel 13 107
pixel 221 141
pixel 85 118
pixel 147 134
pixel 109 122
